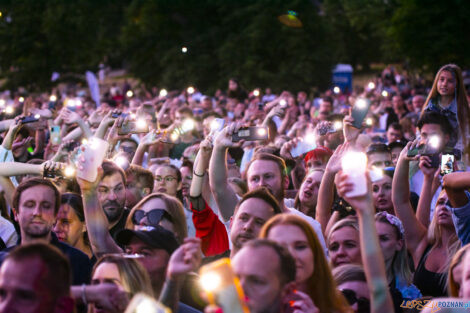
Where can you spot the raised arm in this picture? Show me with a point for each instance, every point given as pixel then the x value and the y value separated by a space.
pixel 455 185
pixel 11 133
pixel 427 192
pixel 327 187
pixel 371 253
pixel 225 197
pixel 73 117
pixel 415 232
pixel 199 171
pixel 96 222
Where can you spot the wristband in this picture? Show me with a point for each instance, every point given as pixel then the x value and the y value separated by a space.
pixel 194 173
pixel 84 299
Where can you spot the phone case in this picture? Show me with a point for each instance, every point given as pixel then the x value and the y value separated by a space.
pixel 301 148
pixel 55 135
pixel 359 114
pixel 92 157
pixel 229 293
pixel 354 165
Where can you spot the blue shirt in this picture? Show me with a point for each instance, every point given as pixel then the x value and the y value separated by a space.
pixel 461 218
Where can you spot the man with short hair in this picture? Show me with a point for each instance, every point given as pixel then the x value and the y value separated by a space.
pixel 36 202
pixel 139 184
pixel 112 196
pixel 394 132
pixel 378 155
pixel 35 278
pixel 264 170
pixel 265 283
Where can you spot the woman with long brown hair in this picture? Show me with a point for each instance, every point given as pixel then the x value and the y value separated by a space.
pixel 448 97
pixel 312 267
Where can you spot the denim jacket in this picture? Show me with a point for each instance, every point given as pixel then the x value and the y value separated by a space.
pixel 451 114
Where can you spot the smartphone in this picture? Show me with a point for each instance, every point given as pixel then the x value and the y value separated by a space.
pixel 216 126
pixel 359 111
pixel 354 164
pixel 55 135
pixel 29 119
pixel 303 147
pixel 252 133
pixel 141 303
pixel 116 115
pixel 53 173
pixel 223 287
pixel 260 106
pixel 93 155
pixel 133 127
pixel 447 163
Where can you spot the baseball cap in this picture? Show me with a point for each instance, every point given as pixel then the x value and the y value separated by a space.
pixel 158 237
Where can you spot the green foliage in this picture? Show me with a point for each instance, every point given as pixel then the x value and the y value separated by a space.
pixel 242 39
pixel 431 33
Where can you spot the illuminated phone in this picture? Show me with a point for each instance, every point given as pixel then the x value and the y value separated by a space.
pixel 142 303
pixel 447 163
pixel 222 286
pixel 55 135
pixel 252 133
pixel 354 164
pixel 307 144
pixel 30 119
pixel 359 111
pixel 93 155
pixel 134 127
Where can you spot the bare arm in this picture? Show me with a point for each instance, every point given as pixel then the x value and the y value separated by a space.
pixel 371 253
pixel 95 219
pixel 415 232
pixel 455 185
pixel 327 187
pixel 225 197
pixel 427 192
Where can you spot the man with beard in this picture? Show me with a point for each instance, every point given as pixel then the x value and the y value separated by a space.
pixel 36 202
pixel 264 170
pixel 112 196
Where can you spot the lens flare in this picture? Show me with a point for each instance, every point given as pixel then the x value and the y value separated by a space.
pixel 210 281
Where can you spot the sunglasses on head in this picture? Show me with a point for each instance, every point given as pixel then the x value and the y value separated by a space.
pixel 154 216
pixel 363 304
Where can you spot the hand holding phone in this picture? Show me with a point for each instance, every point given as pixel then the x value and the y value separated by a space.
pixel 252 133
pixel 359 111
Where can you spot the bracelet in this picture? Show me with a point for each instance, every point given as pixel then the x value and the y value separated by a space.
pixel 194 173
pixel 84 299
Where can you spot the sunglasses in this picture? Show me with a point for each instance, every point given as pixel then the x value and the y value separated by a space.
pixel 363 304
pixel 153 216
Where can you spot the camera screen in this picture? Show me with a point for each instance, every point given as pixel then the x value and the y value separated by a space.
pixel 447 164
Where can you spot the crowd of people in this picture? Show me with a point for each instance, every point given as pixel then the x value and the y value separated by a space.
pixel 341 201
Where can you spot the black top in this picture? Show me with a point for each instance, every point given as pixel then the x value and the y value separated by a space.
pixel 79 261
pixel 430 283
pixel 121 224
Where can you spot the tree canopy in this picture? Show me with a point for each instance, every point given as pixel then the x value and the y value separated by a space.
pixel 224 39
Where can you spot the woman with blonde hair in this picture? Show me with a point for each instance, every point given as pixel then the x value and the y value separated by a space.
pixel 454 276
pixel 159 209
pixel 312 267
pixel 125 273
pixel 431 247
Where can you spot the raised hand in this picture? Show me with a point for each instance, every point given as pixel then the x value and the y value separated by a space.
pixel 186 258
pixel 334 163
pixel 224 138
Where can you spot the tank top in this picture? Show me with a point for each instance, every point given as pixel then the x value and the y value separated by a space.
pixel 430 283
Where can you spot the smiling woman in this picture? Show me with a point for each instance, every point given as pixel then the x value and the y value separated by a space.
pixel 311 265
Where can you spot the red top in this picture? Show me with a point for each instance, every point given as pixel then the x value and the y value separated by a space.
pixel 211 231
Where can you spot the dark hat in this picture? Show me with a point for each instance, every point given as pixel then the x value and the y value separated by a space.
pixel 158 237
